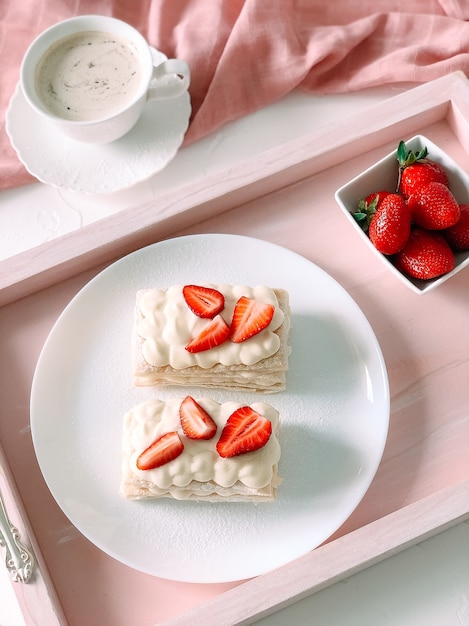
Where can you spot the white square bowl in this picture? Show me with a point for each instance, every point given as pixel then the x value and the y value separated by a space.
pixel 383 175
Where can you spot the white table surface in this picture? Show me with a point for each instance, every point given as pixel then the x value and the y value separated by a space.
pixel 424 585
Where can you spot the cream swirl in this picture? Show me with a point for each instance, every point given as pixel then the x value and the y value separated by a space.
pixel 167 326
pixel 200 460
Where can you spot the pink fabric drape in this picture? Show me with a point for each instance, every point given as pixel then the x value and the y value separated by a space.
pixel 245 54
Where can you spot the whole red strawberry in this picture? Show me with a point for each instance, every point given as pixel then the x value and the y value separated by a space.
pixel 416 169
pixel 389 228
pixel 433 206
pixel 426 255
pixel 458 235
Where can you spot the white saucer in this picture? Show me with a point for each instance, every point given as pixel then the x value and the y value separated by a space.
pixel 57 160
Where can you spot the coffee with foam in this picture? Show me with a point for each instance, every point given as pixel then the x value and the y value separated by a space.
pixel 88 76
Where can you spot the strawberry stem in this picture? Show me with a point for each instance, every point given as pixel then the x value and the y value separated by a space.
pixel 407 157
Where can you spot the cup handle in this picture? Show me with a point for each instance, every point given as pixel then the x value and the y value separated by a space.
pixel 169 80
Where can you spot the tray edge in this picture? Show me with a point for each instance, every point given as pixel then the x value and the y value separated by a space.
pixel 334 561
pixel 38 599
pixel 131 228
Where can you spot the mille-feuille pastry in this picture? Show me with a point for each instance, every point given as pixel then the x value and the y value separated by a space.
pixel 213 335
pixel 198 449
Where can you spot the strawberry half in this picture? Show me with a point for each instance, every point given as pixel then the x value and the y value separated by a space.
pixel 203 301
pixel 245 431
pixel 249 318
pixel 213 334
pixel 163 450
pixel 195 421
pixel 433 206
pixel 426 255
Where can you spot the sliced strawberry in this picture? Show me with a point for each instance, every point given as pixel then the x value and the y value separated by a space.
pixel 245 431
pixel 163 450
pixel 203 301
pixel 213 334
pixel 249 318
pixel 195 421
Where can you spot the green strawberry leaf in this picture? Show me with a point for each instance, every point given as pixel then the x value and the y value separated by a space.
pixel 364 213
pixel 407 157
pixel 401 153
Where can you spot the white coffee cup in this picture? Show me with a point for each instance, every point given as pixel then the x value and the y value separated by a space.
pixel 104 114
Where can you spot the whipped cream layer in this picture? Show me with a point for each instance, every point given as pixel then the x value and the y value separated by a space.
pixel 200 460
pixel 168 325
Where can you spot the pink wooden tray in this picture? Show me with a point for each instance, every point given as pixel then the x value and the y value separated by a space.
pixel 287 197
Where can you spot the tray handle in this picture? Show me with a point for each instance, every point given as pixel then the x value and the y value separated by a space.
pixel 18 559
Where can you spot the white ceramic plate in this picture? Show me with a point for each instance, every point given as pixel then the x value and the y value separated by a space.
pixel 57 160
pixel 334 415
